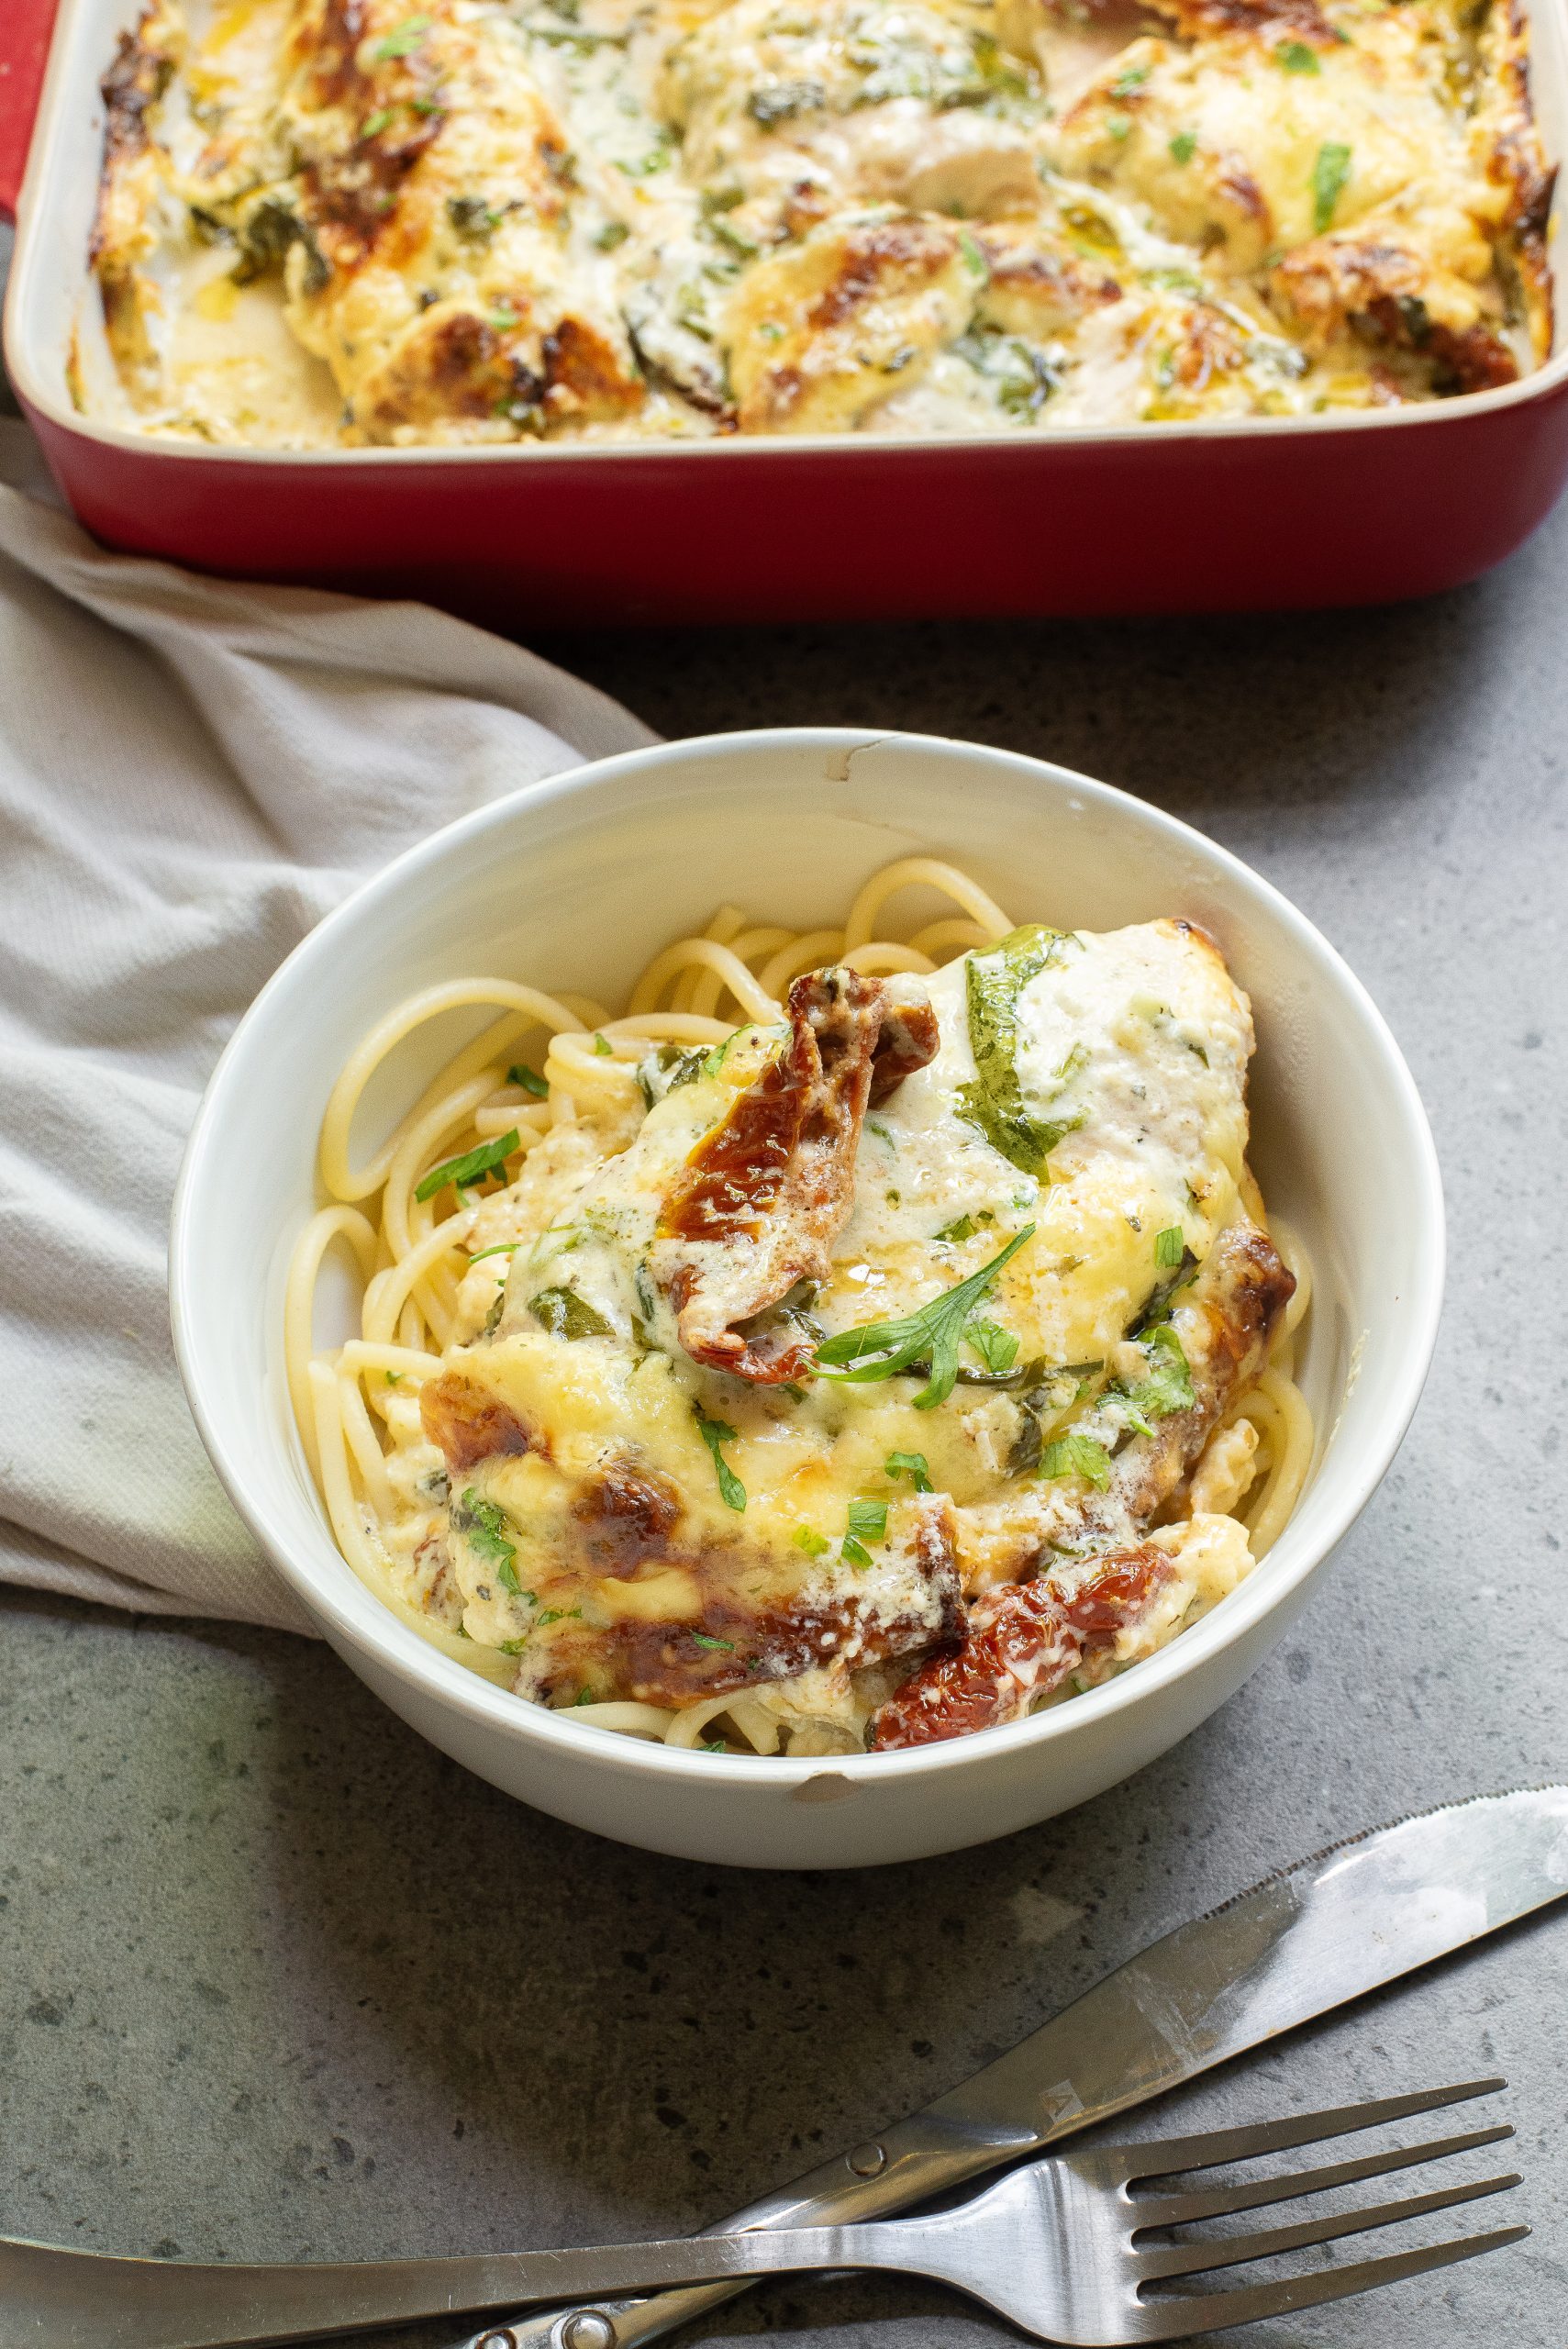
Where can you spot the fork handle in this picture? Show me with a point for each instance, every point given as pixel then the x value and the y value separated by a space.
pixel 76 2300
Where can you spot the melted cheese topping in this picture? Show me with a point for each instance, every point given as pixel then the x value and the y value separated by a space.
pixel 493 220
pixel 1133 1048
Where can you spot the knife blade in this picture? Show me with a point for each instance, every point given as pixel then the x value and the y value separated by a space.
pixel 1348 1919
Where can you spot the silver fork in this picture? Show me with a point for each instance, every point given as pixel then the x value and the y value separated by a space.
pixel 1058 2247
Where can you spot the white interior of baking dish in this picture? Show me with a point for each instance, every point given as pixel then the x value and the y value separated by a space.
pixel 52 299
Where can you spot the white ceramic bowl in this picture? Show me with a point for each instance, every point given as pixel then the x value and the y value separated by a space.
pixel 575 883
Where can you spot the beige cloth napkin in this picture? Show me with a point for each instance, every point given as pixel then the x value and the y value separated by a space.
pixel 191 774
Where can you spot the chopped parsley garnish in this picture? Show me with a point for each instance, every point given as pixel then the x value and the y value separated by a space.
pixel 816 1545
pixel 1296 57
pixel 1184 147
pixel 974 260
pixel 1168 1246
pixel 403 39
pixel 487 1158
pixel 962 1229
pixel 1130 78
pixel 932 1334
pixel 1119 126
pixel 393 1377
pixel 614 233
pixel 1077 1455
pixel 1167 1388
pixel 484 1524
pixel 566 1315
pixel 911 1465
pixel 1330 172
pixel 866 1521
pixel 602 1044
pixel 529 1078
pixel 701 1640
pixel 714 1433
pixel 558 1615
pixel 995 1103
pixel 502 1248
pixel 714 1745
pixel 997 1348
pixel 373 125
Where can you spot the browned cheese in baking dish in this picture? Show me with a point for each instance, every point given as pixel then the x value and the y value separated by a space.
pixel 349 223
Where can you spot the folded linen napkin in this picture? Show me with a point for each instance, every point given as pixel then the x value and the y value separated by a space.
pixel 192 773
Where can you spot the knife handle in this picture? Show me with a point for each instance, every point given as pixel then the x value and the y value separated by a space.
pixel 907 2163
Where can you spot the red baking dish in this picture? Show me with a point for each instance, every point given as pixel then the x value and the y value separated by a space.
pixel 1202 517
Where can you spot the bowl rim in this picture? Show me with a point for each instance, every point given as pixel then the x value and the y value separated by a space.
pixel 357 1618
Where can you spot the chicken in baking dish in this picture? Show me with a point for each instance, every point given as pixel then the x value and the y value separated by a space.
pixel 872 1377
pixel 343 221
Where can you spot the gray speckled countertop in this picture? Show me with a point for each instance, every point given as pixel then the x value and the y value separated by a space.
pixel 277 1980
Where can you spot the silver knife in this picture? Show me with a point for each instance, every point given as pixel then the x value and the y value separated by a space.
pixel 1300 1943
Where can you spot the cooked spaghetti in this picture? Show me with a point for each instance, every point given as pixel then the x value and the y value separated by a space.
pixel 848 1345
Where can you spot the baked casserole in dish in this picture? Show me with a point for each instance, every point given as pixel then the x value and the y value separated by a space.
pixel 345 223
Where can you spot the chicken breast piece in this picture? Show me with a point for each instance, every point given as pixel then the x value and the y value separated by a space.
pixel 820 332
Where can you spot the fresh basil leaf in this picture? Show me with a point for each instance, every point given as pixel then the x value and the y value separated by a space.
pixel 1168 1246
pixel 529 1078
pixel 911 1465
pixel 994 1103
pixel 714 1433
pixel 962 1229
pixel 701 1640
pixel 566 1315
pixel 487 1158
pixel 816 1545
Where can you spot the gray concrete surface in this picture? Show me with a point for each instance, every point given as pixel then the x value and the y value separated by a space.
pixel 278 1981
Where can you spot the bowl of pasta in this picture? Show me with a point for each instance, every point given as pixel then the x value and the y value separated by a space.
pixel 805 1299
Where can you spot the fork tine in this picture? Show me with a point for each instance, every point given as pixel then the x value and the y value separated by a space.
pixel 1235 2251
pixel 1223 2202
pixel 1178 2319
pixel 1160 2158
